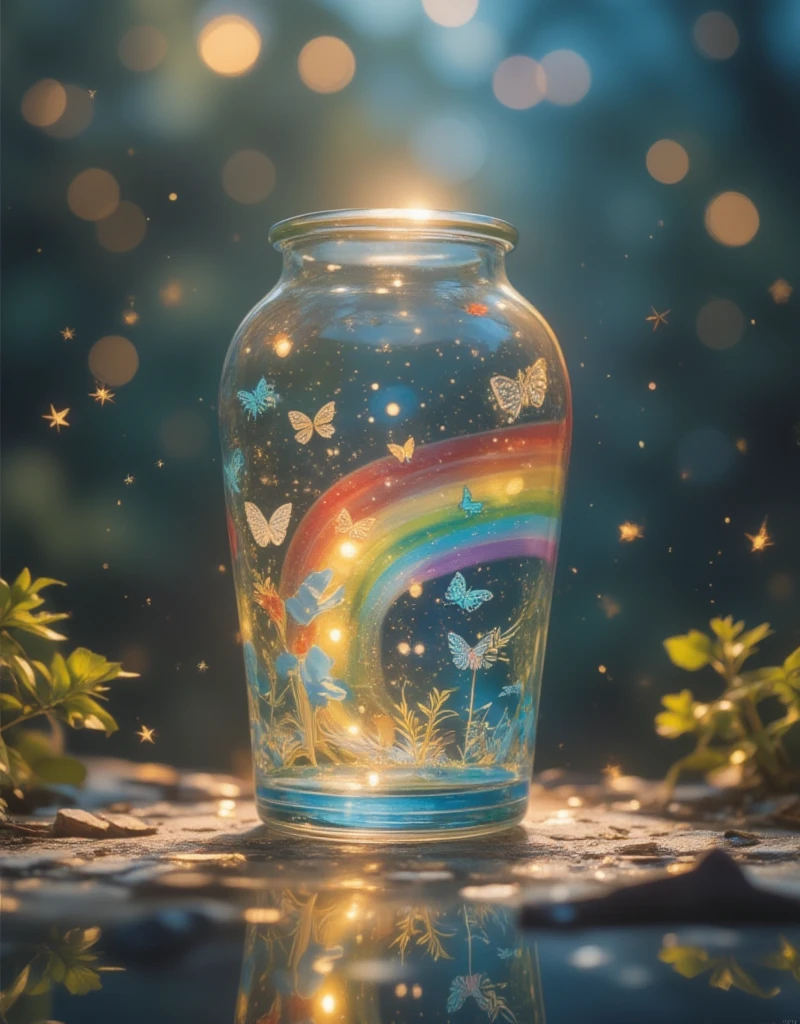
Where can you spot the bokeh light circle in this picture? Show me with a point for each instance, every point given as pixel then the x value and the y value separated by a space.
pixel 519 82
pixel 732 219
pixel 113 360
pixel 568 77
pixel 229 44
pixel 705 455
pixel 716 36
pixel 450 13
pixel 667 161
pixel 44 103
pixel 123 230
pixel 76 117
pixel 93 194
pixel 451 148
pixel 326 64
pixel 142 48
pixel 248 176
pixel 720 324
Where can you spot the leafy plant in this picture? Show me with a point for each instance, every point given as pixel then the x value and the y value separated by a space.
pixel 726 972
pixel 420 730
pixel 419 924
pixel 730 729
pixel 71 690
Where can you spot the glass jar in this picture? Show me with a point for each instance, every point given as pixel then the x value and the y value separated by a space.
pixel 395 424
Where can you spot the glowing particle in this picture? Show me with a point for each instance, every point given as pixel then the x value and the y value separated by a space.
pixel 68 333
pixel 102 395
pixel 762 539
pixel 202 666
pixel 229 45
pixel 403 647
pixel 373 778
pixel 630 531
pixel 515 485
pixel 130 317
pixel 741 445
pixel 128 480
pixel 401 990
pixel 56 419
pixel 93 194
pixel 353 730
pixel 641 444
pixel 326 64
pixel 652 385
pixel 375 387
pixel 392 409
pixel 732 219
pixel 335 635
pixel 658 318
pixel 450 13
pixel 160 463
pixel 347 550
pixel 738 756
pixel 419 648
pixel 602 669
pixel 612 772
pixel 416 991
pixel 44 103
pixel 667 161
pixel 282 346
pixel 415 590
pixel 172 196
pixel 780 291
pixel 146 735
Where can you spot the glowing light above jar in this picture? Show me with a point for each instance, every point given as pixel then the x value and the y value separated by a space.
pixel 519 82
pixel 326 64
pixel 720 324
pixel 113 360
pixel 248 176
pixel 568 77
pixel 282 346
pixel 93 194
pixel 44 103
pixel 716 35
pixel 142 48
pixel 123 230
pixel 450 13
pixel 229 45
pixel 667 161
pixel 392 409
pixel 732 219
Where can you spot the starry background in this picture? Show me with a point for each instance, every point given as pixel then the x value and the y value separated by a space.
pixel 647 153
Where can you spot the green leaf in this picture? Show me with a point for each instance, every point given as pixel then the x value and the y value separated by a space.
pixel 726 630
pixel 66 771
pixel 59 674
pixel 792 665
pixel 752 637
pixel 688 961
pixel 699 762
pixel 729 974
pixel 19 771
pixel 10 995
pixel 679 717
pixel 23 673
pixel 80 980
pixel 9 703
pixel 82 712
pixel 690 651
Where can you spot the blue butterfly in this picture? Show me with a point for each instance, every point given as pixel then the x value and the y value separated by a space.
pixel 472 508
pixel 465 597
pixel 255 402
pixel 233 469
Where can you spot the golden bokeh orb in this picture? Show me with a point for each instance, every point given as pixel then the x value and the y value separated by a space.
pixel 326 64
pixel 123 230
pixel 229 45
pixel 44 103
pixel 77 115
pixel 248 176
pixel 113 360
pixel 142 48
pixel 519 82
pixel 568 77
pixel 93 194
pixel 732 219
pixel 450 13
pixel 716 35
pixel 667 161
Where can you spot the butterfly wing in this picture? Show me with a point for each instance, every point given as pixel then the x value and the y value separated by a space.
pixel 473 599
pixel 466 500
pixel 536 384
pixel 360 529
pixel 408 449
pixel 249 403
pixel 323 420
pixel 509 395
pixel 460 650
pixel 398 451
pixel 482 651
pixel 343 522
pixel 261 394
pixel 456 590
pixel 233 470
pixel 303 425
pixel 279 523
pixel 259 527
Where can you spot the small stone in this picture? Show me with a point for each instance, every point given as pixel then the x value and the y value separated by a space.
pixel 639 850
pixel 124 826
pixel 73 823
pixel 737 838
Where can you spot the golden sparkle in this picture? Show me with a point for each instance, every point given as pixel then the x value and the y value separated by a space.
pixel 102 395
pixel 146 734
pixel 762 539
pixel 612 772
pixel 202 666
pixel 658 318
pixel 129 480
pixel 780 291
pixel 68 333
pixel 630 532
pixel 160 463
pixel 57 419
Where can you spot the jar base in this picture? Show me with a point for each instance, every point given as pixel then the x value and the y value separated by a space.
pixel 398 806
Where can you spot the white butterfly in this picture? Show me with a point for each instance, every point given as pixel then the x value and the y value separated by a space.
pixel 322 423
pixel 265 532
pixel 357 531
pixel 465 657
pixel 529 389
pixel 402 452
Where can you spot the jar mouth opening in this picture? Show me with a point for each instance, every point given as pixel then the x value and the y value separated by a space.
pixel 396 224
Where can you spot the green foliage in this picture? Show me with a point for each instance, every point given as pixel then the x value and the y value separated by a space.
pixel 64 960
pixel 71 690
pixel 730 729
pixel 420 730
pixel 726 972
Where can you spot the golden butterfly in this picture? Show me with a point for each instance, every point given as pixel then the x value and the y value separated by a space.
pixel 266 531
pixel 402 452
pixel 529 389
pixel 356 531
pixel 322 423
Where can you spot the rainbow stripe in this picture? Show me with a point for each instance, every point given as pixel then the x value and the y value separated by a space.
pixel 420 532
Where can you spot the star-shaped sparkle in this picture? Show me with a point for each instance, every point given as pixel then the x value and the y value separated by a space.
pixel 146 734
pixel 760 540
pixel 102 395
pixel 630 532
pixel 56 419
pixel 68 333
pixel 160 463
pixel 658 318
pixel 202 666
pixel 129 480
pixel 92 93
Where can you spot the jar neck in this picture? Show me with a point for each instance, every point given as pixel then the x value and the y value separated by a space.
pixel 397 261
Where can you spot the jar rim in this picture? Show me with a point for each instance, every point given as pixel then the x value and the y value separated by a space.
pixel 396 223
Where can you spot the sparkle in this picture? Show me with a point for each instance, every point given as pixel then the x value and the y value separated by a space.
pixel 160 463
pixel 780 291
pixel 129 480
pixel 56 419
pixel 612 772
pixel 102 395
pixel 68 333
pixel 172 196
pixel 762 539
pixel 415 590
pixel 630 532
pixel 658 318
pixel 392 409
pixel 146 735
pixel 92 93
pixel 282 346
pixel 741 445
pixel 202 666
pixel 652 385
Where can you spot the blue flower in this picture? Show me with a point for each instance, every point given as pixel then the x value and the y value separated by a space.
pixel 307 603
pixel 315 671
pixel 257 680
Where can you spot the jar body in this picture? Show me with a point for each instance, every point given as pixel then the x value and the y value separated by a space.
pixel 395 425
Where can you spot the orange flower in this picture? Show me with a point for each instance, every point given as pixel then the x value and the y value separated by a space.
pixel 303 639
pixel 266 596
